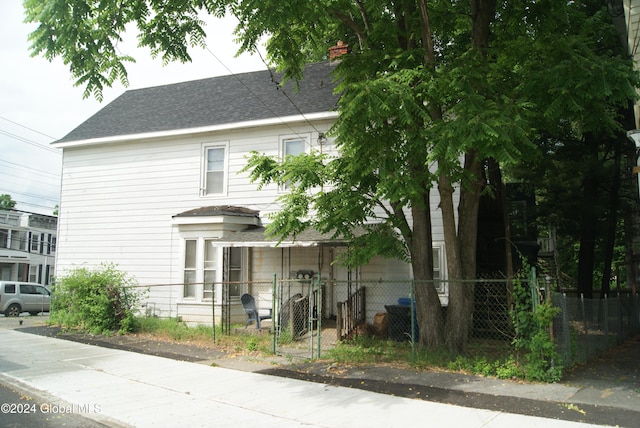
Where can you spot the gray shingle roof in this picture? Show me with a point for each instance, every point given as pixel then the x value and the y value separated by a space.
pixel 220 210
pixel 208 102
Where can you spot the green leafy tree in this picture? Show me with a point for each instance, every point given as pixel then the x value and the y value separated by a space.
pixel 430 91
pixel 585 111
pixel 7 202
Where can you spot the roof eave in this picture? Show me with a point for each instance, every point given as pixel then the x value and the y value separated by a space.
pixel 331 115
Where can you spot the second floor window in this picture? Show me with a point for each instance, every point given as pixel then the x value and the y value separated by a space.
pixel 293 147
pixel 35 242
pixel 214 170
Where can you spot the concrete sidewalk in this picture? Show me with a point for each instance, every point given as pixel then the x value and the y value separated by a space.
pixel 120 388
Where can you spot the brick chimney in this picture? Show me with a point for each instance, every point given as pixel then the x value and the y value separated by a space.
pixel 338 50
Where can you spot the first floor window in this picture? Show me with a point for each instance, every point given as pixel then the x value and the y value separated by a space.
pixel 437 270
pixel 207 266
pixel 235 271
pixel 210 269
pixel 190 268
pixel 33 273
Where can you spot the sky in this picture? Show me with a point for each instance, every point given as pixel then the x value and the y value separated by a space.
pixel 40 104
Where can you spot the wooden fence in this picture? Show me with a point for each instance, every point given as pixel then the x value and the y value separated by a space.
pixel 350 314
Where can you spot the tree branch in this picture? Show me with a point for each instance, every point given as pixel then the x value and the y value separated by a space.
pixel 427 38
pixel 349 22
pixel 363 14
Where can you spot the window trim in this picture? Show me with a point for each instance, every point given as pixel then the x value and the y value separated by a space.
pixel 199 295
pixel 443 286
pixel 189 296
pixel 34 244
pixel 203 172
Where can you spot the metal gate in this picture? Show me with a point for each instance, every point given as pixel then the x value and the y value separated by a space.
pixel 298 317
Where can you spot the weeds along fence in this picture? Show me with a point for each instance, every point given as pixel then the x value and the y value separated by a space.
pixel 305 317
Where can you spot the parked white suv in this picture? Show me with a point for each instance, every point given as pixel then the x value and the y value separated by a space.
pixel 17 297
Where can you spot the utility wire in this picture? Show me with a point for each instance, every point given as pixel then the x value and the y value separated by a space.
pixel 26 127
pixel 19 181
pixel 36 205
pixel 40 171
pixel 260 100
pixel 26 140
pixel 32 195
pixel 278 87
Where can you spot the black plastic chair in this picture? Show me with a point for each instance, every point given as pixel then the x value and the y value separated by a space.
pixel 249 305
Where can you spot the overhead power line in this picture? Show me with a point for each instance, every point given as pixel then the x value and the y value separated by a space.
pixel 31 142
pixel 260 100
pixel 49 207
pixel 32 169
pixel 26 127
pixel 31 195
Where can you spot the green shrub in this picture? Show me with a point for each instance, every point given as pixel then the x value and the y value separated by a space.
pixel 99 301
pixel 532 320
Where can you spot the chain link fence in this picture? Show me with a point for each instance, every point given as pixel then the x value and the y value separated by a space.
pixel 305 317
pixel 585 328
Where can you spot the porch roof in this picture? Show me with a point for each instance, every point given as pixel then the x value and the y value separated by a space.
pixel 257 237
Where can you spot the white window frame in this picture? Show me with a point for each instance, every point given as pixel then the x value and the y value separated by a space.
pixel 282 142
pixel 204 172
pixel 214 266
pixel 33 273
pixel 241 270
pixel 439 270
pixel 188 295
pixel 35 242
pixel 201 292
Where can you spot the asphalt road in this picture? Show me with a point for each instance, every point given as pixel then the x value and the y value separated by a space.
pixel 20 409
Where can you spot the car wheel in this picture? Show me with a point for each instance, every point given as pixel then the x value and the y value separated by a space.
pixel 13 310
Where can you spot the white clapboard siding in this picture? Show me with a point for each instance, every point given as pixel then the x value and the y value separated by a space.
pixel 118 201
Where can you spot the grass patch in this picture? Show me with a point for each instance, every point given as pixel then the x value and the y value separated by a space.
pixel 485 357
pixel 176 330
pixel 367 350
pixel 172 328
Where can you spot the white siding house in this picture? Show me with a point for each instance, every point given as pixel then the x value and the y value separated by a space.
pixel 152 183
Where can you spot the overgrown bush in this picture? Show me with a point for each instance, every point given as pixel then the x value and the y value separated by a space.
pixel 99 301
pixel 532 320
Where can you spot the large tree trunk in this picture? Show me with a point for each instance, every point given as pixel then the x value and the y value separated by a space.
pixel 494 179
pixel 588 223
pixel 460 311
pixel 612 222
pixel 460 247
pixel 457 318
pixel 428 307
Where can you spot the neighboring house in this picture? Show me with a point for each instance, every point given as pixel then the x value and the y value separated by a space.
pixel 27 246
pixel 152 183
